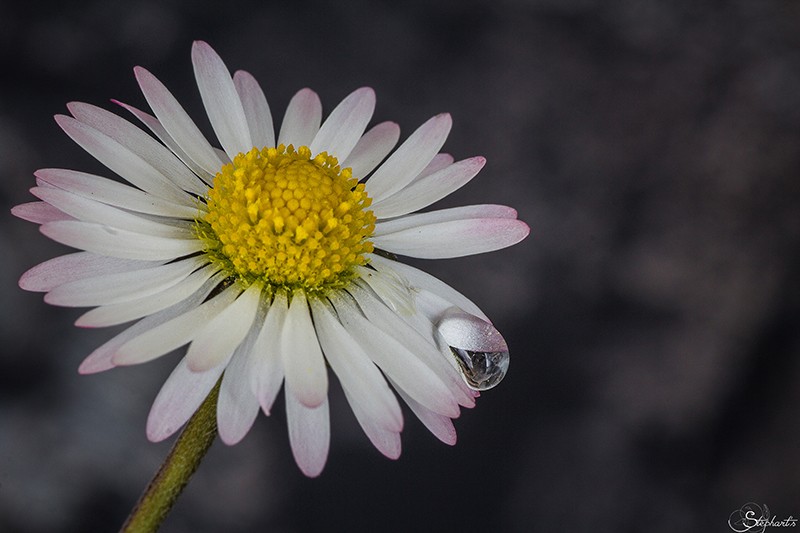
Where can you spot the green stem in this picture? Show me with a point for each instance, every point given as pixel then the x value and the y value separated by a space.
pixel 182 461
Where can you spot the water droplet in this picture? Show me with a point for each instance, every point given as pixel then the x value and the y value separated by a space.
pixel 479 349
pixel 481 370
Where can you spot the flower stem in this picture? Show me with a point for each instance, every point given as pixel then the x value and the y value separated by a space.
pixel 182 461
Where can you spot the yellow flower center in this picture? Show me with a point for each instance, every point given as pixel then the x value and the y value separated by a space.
pixel 281 217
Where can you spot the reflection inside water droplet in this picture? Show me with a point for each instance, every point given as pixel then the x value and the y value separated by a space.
pixel 481 370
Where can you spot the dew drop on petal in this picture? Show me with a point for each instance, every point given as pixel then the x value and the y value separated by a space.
pixel 479 349
pixel 481 370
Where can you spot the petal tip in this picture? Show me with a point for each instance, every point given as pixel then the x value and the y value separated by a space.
pixel 142 75
pixel 90 366
pixel 228 439
pixel 156 434
pixel 17 211
pixel 312 471
pixel 62 120
pixel 524 229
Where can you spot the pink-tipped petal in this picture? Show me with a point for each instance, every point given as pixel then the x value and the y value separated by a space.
pixel 342 129
pixel 467 212
pixel 425 191
pixel 173 333
pixel 101 359
pixel 89 210
pixel 410 158
pixel 423 346
pixel 113 314
pixel 385 440
pixel 177 123
pixel 256 109
pixel 120 159
pixel 115 193
pixel 122 286
pixel 72 267
pixel 441 426
pixel 39 213
pixel 455 238
pixel 302 119
pixel 222 103
pixel 178 400
pixel 309 434
pixel 397 362
pixel 360 378
pixel 140 143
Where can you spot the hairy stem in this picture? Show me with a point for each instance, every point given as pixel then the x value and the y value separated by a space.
pixel 182 461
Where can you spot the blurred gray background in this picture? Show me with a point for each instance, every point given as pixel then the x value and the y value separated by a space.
pixel 652 146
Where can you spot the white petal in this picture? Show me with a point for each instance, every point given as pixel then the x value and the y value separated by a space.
pixel 397 361
pixel 100 359
pixel 423 280
pixel 466 212
pixel 222 103
pixel 455 238
pixel 302 119
pixel 425 191
pixel 393 289
pixel 423 346
pixel 72 267
pixel 342 129
pixel 256 109
pixel 303 363
pixel 222 334
pixel 178 399
pixel 360 378
pixel 39 213
pixel 177 123
pixel 371 148
pixel 385 440
pixel 89 210
pixel 139 143
pixel 267 371
pixel 309 434
pixel 105 240
pixel 117 194
pixel 173 333
pixel 441 426
pixel 237 406
pixel 410 158
pixel 439 161
pixel 121 287
pixel 158 130
pixel 120 159
pixel 111 315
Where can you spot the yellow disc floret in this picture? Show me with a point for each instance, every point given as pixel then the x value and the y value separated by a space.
pixel 283 218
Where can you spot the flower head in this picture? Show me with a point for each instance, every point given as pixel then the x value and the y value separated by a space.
pixel 274 259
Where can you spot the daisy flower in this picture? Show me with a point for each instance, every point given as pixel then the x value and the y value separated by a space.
pixel 273 259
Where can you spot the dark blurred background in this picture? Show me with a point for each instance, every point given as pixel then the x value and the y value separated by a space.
pixel 654 149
